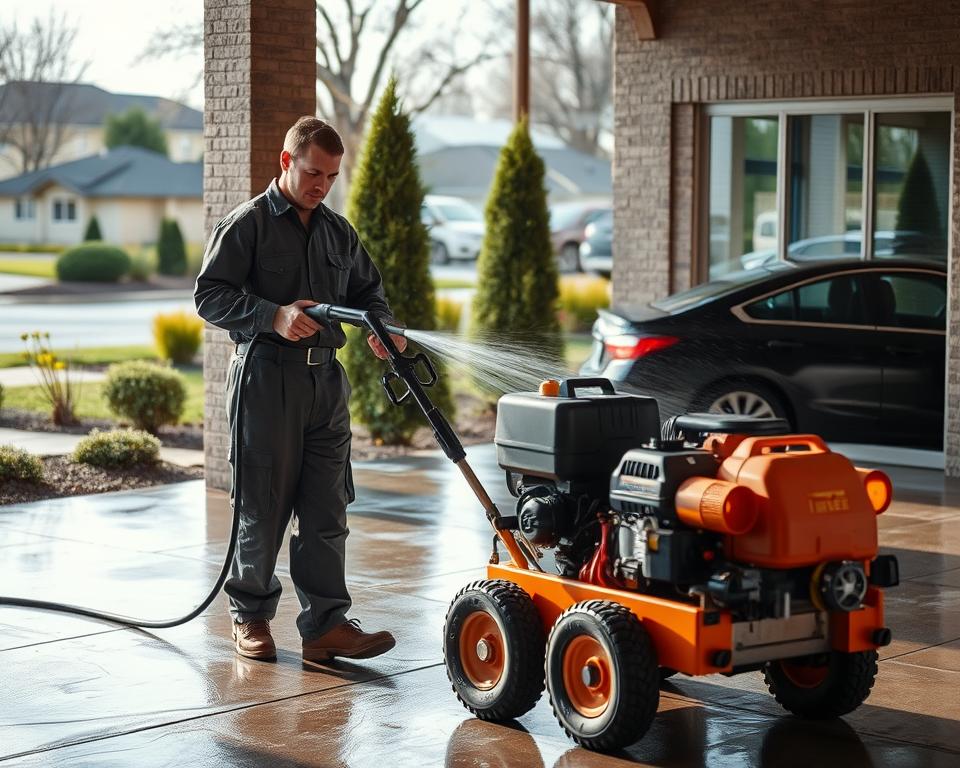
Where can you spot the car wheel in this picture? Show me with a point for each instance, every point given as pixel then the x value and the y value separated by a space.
pixel 742 399
pixel 569 258
pixel 438 253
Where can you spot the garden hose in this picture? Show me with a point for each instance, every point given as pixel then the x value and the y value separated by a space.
pixel 130 621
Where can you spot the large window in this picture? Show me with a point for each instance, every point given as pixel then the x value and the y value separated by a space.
pixel 24 209
pixel 803 181
pixel 64 210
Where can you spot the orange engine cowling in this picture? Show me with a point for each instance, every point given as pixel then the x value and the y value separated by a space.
pixel 812 505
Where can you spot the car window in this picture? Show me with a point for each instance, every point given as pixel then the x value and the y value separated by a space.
pixel 913 301
pixel 836 300
pixel 425 216
pixel 776 307
pixel 454 211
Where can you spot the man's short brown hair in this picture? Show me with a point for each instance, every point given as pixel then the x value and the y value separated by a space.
pixel 312 130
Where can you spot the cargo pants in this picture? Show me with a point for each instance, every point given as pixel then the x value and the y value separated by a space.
pixel 295 457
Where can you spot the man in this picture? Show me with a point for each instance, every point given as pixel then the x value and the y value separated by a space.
pixel 271 257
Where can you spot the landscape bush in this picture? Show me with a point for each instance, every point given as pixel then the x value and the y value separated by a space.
pixel 147 394
pixel 93 230
pixel 171 250
pixel 17 464
pixel 177 336
pixel 449 313
pixel 117 448
pixel 580 298
pixel 93 262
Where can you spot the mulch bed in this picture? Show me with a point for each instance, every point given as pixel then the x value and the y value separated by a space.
pixel 55 289
pixel 474 424
pixel 63 477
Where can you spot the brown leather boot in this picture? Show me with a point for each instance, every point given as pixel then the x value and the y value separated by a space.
pixel 254 640
pixel 349 641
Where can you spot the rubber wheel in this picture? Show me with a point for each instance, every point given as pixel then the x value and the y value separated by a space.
pixel 823 686
pixel 602 675
pixel 438 253
pixel 493 647
pixel 742 399
pixel 568 260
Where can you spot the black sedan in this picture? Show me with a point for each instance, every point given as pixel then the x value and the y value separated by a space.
pixel 850 350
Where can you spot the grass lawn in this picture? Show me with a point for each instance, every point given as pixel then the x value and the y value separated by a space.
pixel 87 355
pixel 35 267
pixel 92 404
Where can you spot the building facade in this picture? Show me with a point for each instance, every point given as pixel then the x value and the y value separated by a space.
pixel 745 130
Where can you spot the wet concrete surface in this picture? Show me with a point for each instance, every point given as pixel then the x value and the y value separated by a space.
pixel 77 691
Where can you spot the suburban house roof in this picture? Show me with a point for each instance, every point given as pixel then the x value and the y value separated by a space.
pixel 84 104
pixel 119 172
pixel 458 156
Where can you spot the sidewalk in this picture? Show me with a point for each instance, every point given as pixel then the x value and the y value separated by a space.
pixel 24 376
pixel 60 444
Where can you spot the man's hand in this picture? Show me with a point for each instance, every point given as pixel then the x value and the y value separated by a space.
pixel 379 350
pixel 291 323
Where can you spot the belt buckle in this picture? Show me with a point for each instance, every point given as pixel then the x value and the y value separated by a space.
pixel 310 360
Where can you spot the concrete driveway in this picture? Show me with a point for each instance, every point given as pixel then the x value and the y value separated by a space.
pixel 81 692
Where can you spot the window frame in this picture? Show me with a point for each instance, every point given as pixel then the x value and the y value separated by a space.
pixel 786 109
pixel 27 204
pixel 67 205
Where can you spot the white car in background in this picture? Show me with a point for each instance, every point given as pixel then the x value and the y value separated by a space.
pixel 456 228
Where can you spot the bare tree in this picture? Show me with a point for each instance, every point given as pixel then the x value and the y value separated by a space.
pixel 571 62
pixel 36 72
pixel 357 47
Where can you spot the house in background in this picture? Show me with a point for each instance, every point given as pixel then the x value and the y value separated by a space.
pixel 129 189
pixel 75 113
pixel 458 156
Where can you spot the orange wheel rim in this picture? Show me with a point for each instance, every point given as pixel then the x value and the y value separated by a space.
pixel 804 675
pixel 481 650
pixel 587 675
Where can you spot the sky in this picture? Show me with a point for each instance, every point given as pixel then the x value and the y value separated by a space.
pixel 111 34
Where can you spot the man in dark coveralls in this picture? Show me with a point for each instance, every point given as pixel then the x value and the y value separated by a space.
pixel 268 259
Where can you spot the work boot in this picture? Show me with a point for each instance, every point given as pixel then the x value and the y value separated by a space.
pixel 254 640
pixel 349 641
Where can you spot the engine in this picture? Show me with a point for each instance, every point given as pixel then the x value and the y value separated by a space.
pixel 723 510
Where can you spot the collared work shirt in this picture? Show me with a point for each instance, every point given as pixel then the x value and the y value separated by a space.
pixel 260 256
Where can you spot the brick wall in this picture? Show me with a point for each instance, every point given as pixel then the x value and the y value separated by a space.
pixel 707 51
pixel 259 77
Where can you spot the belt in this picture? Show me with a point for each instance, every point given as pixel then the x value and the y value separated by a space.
pixel 277 353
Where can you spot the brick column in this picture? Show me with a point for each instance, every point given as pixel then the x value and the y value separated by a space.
pixel 259 77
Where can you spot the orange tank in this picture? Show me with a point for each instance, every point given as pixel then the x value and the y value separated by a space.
pixel 812 506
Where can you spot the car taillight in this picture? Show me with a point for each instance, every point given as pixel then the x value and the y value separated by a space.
pixel 629 347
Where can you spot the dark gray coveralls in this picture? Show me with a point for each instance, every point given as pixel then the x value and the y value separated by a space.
pixel 296 422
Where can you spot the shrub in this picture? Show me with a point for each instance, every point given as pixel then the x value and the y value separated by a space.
pixel 449 313
pixel 171 250
pixel 117 448
pixel 17 464
pixel 516 270
pixel 177 336
pixel 93 230
pixel 143 263
pixel 93 262
pixel 579 301
pixel 148 394
pixel 386 195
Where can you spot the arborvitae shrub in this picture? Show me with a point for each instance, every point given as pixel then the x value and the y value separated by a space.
pixel 386 195
pixel 171 250
pixel 93 230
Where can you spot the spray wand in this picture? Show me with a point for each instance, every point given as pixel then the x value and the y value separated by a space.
pixel 408 369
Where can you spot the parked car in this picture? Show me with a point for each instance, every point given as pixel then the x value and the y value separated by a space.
pixel 567 224
pixel 596 250
pixel 848 349
pixel 456 228
pixel 886 243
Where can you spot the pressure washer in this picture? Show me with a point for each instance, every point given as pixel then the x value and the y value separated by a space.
pixel 709 544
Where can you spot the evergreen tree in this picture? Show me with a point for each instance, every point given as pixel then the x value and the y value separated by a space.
pixel 386 195
pixel 135 128
pixel 93 230
pixel 917 208
pixel 517 288
pixel 171 250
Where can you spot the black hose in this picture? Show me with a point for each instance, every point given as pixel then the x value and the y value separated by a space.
pixel 228 559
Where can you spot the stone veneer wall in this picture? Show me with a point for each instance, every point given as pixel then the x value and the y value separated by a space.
pixel 259 77
pixel 707 51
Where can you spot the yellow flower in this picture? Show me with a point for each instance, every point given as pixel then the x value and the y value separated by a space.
pixel 59 365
